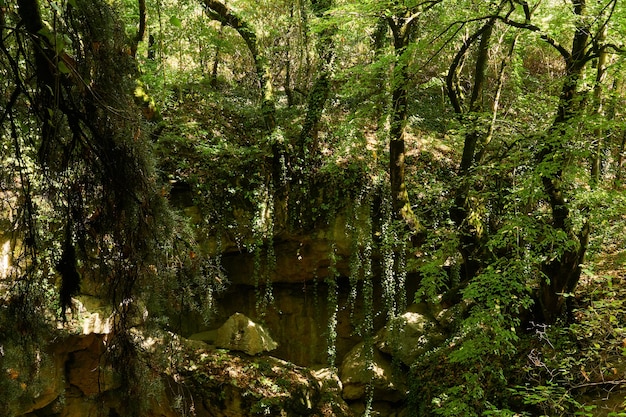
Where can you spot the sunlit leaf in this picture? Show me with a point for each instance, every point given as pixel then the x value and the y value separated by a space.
pixel 176 22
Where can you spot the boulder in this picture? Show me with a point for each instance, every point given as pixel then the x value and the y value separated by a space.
pixel 456 312
pixel 389 383
pixel 242 334
pixel 408 336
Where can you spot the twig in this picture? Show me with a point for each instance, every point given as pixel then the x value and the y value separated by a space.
pixel 595 384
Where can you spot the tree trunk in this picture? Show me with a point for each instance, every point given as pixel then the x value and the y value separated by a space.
pixel 307 141
pixel 141 31
pixel 561 274
pixel 617 184
pixel 397 153
pixel 287 84
pixel 216 58
pixel 47 76
pixel 596 160
pixel 469 239
pixel 220 12
pixel 617 133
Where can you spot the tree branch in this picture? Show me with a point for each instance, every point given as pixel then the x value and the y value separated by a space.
pixel 600 383
pixel 533 28
pixel 453 95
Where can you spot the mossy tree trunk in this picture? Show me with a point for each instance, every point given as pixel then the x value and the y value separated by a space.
pixel 561 274
pixel 307 141
pixel 598 110
pixel 469 233
pixel 220 12
pixel 401 29
pixel 141 30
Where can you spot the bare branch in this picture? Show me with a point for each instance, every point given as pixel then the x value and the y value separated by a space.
pixel 547 38
pixel 600 383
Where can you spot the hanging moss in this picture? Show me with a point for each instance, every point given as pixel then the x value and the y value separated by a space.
pixel 270 267
pixel 368 323
pixel 401 273
pixel 263 270
pixel 387 250
pixel 333 307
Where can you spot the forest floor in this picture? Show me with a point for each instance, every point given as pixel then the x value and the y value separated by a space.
pixel 599 327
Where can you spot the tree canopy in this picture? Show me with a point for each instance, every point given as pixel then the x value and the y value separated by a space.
pixel 476 147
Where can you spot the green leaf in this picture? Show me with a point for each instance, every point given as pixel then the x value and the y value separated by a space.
pixel 45 32
pixel 56 8
pixel 176 22
pixel 63 69
pixel 59 44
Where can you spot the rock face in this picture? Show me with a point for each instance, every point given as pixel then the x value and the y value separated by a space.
pixel 86 371
pixel 199 380
pixel 384 363
pixel 297 322
pixel 242 334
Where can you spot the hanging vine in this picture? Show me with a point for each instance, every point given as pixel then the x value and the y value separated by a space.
pixel 333 308
pixel 264 266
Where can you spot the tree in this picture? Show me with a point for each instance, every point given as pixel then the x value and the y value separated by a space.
pixel 222 13
pixel 401 27
pixel 82 202
pixel 561 273
pixel 321 87
pixel 402 24
pixel 470 235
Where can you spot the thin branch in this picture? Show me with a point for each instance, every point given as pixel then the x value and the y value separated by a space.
pixel 9 107
pixel 533 28
pixel 429 5
pixel 446 43
pixel 600 383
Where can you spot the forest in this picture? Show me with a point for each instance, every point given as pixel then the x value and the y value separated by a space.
pixel 422 201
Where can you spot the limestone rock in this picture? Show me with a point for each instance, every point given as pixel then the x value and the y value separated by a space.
pixel 87 372
pixel 88 315
pixel 242 334
pixel 388 383
pixel 408 336
pixel 327 379
pixel 380 409
pixel 91 315
pixel 81 406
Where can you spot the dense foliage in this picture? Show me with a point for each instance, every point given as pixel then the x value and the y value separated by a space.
pixel 478 146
